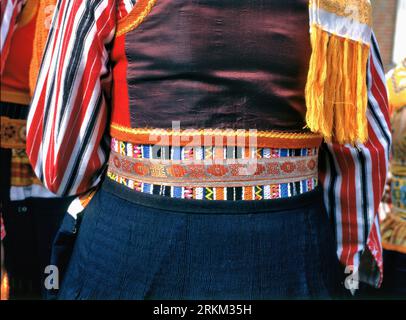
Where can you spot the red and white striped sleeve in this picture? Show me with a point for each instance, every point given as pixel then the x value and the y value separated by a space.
pixel 353 179
pixel 9 11
pixel 67 119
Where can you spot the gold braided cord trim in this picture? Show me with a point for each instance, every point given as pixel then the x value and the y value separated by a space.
pixel 359 10
pixel 217 132
pixel 140 11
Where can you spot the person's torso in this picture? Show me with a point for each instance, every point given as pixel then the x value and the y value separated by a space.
pixel 230 64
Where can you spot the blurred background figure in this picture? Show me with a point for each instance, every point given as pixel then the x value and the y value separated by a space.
pixel 390 28
pixel 393 226
pixel 31 213
pixel 389 21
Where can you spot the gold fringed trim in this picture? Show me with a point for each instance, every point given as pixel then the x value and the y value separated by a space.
pixel 140 11
pixel 336 88
pixel 199 137
pixel 393 230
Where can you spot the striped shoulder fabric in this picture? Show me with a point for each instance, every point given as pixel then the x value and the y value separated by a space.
pixel 67 121
pixel 9 11
pixel 353 179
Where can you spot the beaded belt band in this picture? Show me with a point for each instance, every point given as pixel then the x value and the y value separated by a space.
pixel 214 173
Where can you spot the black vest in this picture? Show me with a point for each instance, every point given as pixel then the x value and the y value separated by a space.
pixel 238 64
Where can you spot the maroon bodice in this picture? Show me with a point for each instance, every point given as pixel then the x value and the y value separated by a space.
pixel 238 64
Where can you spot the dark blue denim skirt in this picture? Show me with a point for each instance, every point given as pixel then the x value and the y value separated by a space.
pixel 137 246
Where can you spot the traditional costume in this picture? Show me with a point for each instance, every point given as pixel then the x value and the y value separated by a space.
pixel 31 212
pixel 233 157
pixel 394 226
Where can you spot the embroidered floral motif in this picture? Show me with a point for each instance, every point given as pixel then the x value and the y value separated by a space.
pixel 244 174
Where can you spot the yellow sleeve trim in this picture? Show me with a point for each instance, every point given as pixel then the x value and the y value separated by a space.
pixel 336 89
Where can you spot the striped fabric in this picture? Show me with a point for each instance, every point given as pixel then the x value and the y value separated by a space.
pixel 68 118
pixel 354 179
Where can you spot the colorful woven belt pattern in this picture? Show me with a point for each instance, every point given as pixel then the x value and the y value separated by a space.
pixel 174 172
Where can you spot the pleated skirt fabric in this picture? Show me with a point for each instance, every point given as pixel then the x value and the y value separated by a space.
pixel 152 247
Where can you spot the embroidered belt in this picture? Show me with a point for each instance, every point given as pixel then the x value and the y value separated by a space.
pixel 214 173
pixel 13 132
